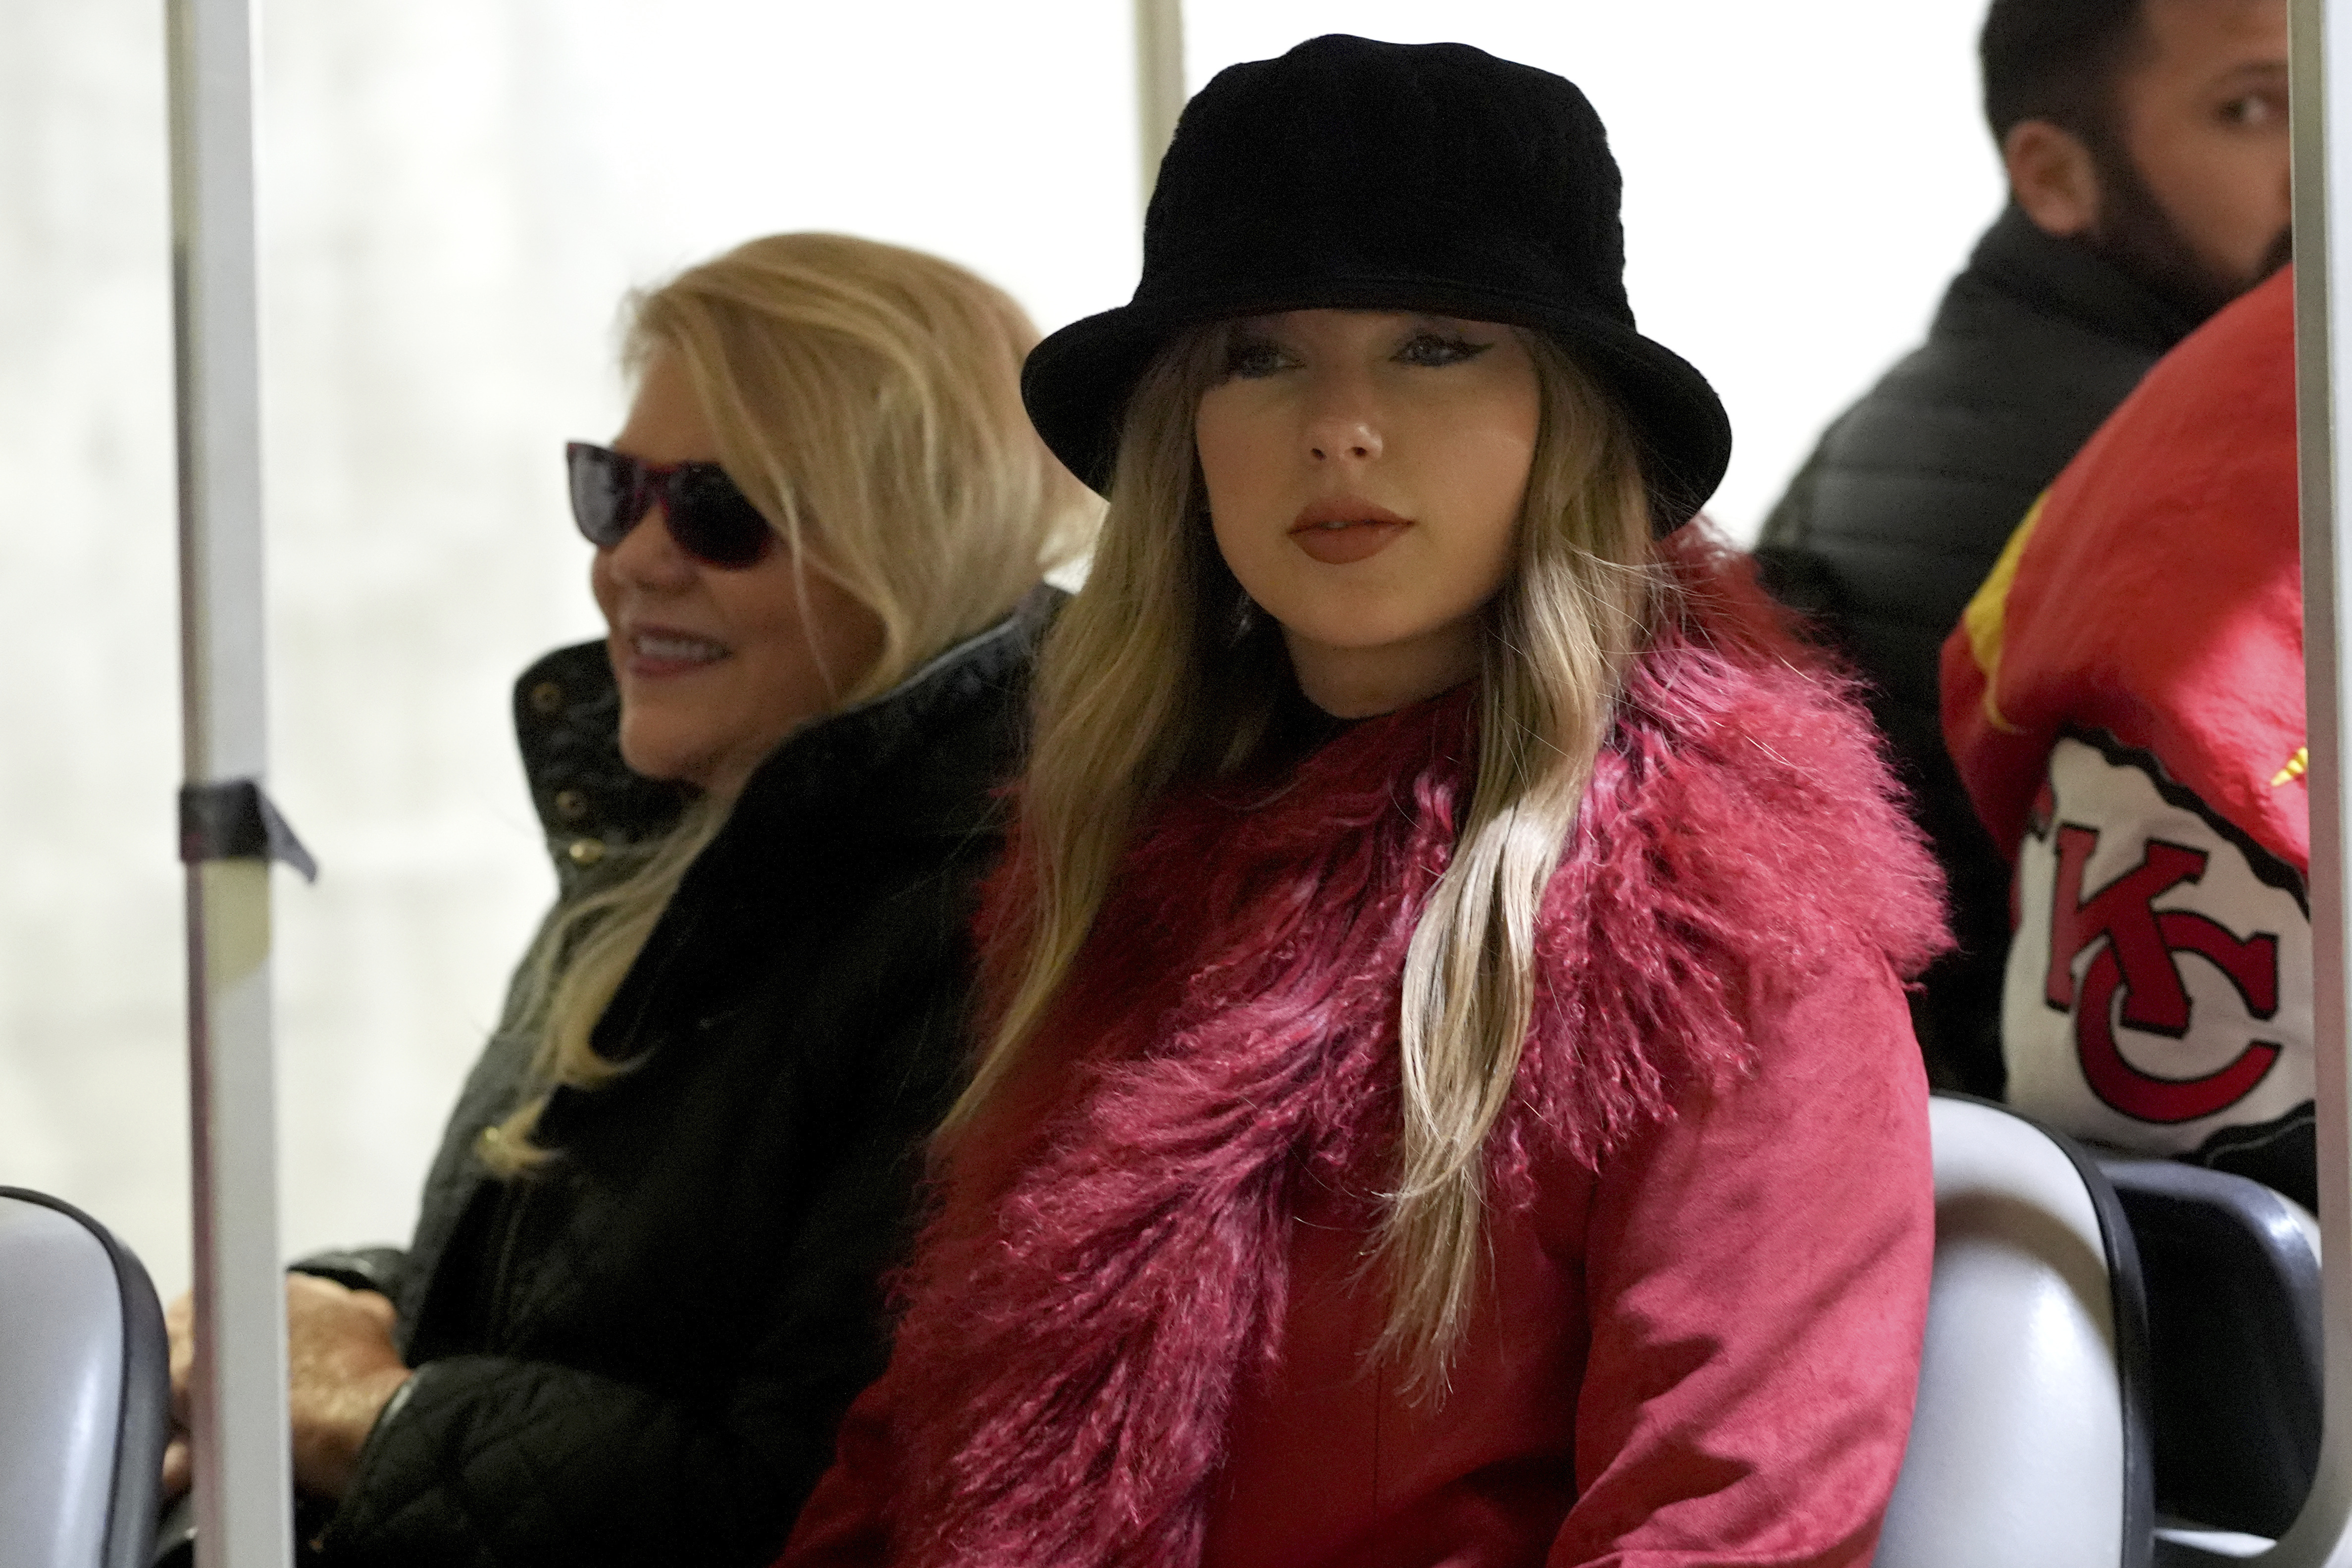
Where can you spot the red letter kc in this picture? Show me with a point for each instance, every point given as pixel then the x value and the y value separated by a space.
pixel 2137 958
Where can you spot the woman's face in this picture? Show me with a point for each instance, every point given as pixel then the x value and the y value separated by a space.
pixel 716 665
pixel 1365 471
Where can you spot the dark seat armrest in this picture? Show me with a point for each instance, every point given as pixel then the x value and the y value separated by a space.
pixel 2233 1271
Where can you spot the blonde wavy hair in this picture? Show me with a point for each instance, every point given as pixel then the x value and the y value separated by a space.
pixel 867 399
pixel 1142 683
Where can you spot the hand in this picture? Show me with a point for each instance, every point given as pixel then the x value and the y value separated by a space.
pixel 180 1328
pixel 341 1370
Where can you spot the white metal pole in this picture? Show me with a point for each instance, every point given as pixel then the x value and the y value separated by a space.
pixel 2322 30
pixel 1158 81
pixel 243 1481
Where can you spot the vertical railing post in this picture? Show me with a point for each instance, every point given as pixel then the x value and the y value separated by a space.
pixel 242 1484
pixel 2318 1537
pixel 1158 81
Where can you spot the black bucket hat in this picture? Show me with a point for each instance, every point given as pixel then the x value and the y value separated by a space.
pixel 1358 175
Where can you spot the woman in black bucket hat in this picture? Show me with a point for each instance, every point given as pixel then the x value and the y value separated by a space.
pixel 1445 1094
pixel 1374 176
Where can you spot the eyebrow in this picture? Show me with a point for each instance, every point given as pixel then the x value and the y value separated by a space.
pixel 1462 324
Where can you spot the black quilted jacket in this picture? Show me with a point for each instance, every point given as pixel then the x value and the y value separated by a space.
pixel 639 1355
pixel 1900 512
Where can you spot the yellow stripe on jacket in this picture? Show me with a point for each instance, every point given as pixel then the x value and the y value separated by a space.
pixel 1985 617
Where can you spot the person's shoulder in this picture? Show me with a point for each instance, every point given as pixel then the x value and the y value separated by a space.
pixel 963 725
pixel 1745 753
pixel 2032 345
pixel 1943 455
pixel 2235 372
pixel 2200 455
pixel 1743 844
pixel 1998 390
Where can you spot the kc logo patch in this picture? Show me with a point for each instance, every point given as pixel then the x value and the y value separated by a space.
pixel 2160 986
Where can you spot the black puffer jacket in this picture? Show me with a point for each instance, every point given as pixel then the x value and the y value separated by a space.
pixel 1901 509
pixel 639 1355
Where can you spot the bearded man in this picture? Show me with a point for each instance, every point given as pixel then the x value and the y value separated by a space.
pixel 2145 145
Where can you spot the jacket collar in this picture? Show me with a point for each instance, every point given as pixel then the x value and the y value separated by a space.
pixel 2068 279
pixel 839 759
pixel 567 716
pixel 924 760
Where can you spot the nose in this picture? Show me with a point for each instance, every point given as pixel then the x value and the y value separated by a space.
pixel 648 558
pixel 1343 423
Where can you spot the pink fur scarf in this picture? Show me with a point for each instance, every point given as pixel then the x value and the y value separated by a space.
pixel 1074 1342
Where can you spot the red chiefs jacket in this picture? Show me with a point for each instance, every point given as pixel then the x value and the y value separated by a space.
pixel 2125 701
pixel 1142 1330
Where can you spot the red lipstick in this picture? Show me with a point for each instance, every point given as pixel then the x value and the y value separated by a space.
pixel 1340 530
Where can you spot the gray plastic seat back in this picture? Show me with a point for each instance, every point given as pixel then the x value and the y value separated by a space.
pixel 2029 1446
pixel 85 1391
pixel 2231 1271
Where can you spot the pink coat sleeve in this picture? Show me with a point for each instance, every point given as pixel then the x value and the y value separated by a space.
pixel 1756 1278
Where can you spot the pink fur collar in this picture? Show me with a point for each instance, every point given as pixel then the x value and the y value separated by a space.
pixel 1069 1361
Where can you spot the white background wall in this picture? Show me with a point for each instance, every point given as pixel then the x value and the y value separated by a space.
pixel 455 193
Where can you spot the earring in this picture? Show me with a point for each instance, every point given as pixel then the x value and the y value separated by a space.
pixel 1243 620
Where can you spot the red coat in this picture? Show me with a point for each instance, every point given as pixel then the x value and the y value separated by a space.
pixel 1141 1331
pixel 2125 701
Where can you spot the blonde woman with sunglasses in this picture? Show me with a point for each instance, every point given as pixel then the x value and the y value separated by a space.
pixel 645 1282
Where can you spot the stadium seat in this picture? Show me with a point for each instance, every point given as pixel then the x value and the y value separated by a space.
pixel 85 1391
pixel 2231 1271
pixel 2030 1447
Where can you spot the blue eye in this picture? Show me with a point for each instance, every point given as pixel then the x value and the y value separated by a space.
pixel 1252 358
pixel 1435 348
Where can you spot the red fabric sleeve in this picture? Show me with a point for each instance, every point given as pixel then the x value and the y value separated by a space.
pixel 1757 1273
pixel 2158 597
pixel 2003 769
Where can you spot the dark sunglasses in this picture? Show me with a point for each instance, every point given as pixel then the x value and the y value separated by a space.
pixel 707 517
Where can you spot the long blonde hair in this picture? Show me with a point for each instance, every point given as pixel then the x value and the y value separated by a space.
pixel 1142 681
pixel 867 399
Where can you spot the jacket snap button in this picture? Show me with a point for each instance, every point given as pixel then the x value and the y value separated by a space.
pixel 587 852
pixel 546 698
pixel 570 805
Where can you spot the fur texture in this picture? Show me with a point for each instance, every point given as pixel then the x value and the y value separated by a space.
pixel 1083 1313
